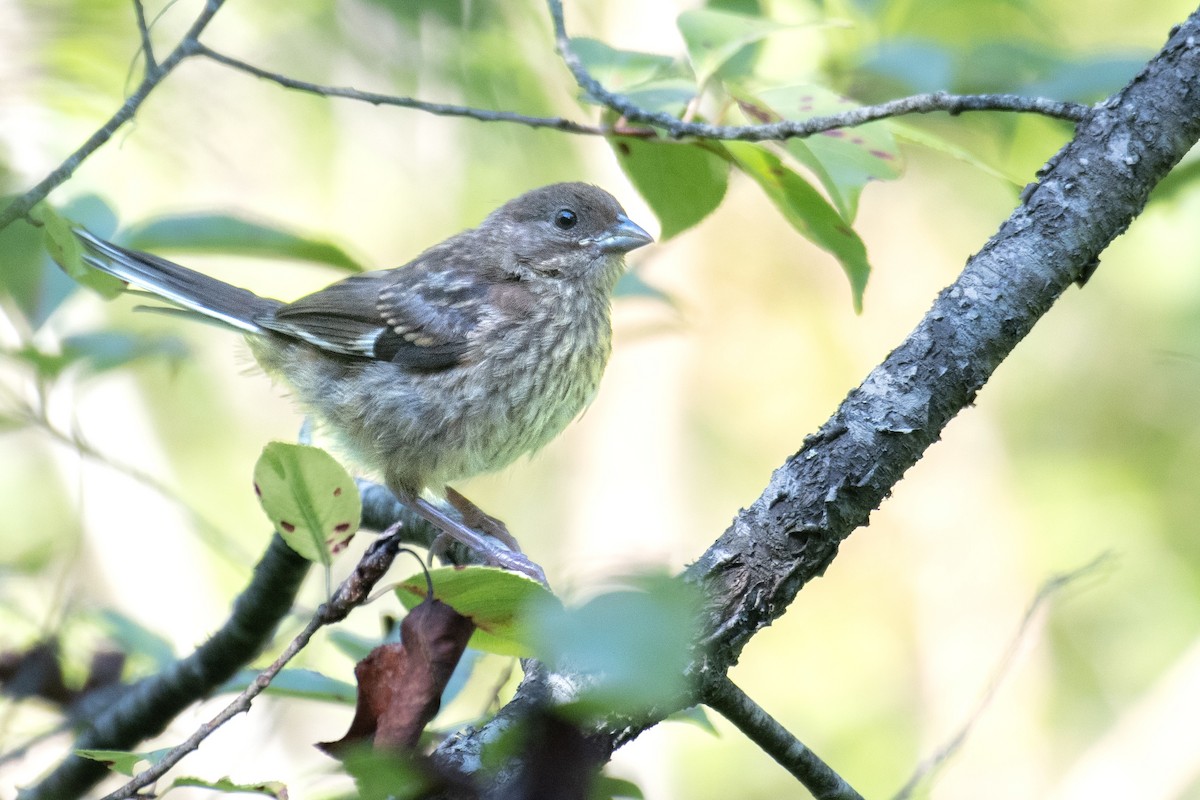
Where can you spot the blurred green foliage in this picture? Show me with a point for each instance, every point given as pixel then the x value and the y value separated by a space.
pixel 1086 440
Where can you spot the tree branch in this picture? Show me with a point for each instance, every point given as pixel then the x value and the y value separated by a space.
pixel 374 98
pixel 725 697
pixel 145 708
pixel 190 45
pixel 143 27
pixel 352 593
pixel 789 129
pixel 154 75
pixel 1088 195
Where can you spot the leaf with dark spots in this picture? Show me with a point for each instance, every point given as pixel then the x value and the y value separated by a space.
pixel 338 543
pixel 303 491
pixel 683 182
pixel 400 685
pixel 843 160
pixel 756 112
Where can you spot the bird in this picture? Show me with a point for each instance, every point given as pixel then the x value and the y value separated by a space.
pixel 478 351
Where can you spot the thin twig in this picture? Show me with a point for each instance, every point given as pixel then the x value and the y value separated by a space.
pixel 144 709
pixel 787 129
pixel 20 207
pixel 1045 593
pixel 144 31
pixel 725 697
pixel 629 111
pixel 350 594
pixel 440 109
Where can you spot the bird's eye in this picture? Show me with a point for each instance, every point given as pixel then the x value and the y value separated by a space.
pixel 565 219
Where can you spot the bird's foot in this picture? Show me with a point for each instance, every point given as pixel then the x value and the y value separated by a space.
pixel 484 535
pixel 475 517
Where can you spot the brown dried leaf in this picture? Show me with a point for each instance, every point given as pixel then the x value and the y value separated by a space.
pixel 400 685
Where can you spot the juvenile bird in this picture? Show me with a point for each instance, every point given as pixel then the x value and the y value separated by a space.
pixel 478 351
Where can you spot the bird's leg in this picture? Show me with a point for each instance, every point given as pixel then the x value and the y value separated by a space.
pixel 475 517
pixel 492 550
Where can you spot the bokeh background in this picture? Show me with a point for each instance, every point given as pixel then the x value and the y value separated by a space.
pixel 1086 443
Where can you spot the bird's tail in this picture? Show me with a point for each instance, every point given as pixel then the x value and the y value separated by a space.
pixel 187 288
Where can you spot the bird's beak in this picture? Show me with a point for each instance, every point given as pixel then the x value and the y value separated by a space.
pixel 622 237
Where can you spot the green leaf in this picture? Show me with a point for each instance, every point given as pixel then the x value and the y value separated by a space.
pixel 606 787
pixel 682 182
pixel 631 284
pixel 67 251
pixel 135 639
pixel 807 211
pixel 106 350
pixel 58 239
pixel 124 761
pixel 47 365
pixel 695 715
pixel 1086 80
pixel 98 352
pixel 914 135
pixel 386 774
pixel 226 234
pixel 845 159
pixel 622 70
pixel 354 646
pixel 714 37
pixel 494 599
pixel 31 280
pixel 635 643
pixel 309 498
pixel 226 785
pixel 305 684
pixel 900 65
pixel 670 96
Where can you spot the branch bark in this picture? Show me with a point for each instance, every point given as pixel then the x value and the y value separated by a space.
pixel 1087 195
pixel 725 697
pixel 677 128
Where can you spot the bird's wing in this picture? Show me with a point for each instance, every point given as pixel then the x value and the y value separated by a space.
pixel 418 318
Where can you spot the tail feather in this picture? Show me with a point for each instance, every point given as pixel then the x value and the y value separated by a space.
pixel 187 288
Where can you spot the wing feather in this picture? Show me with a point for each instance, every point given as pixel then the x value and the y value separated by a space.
pixel 419 318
